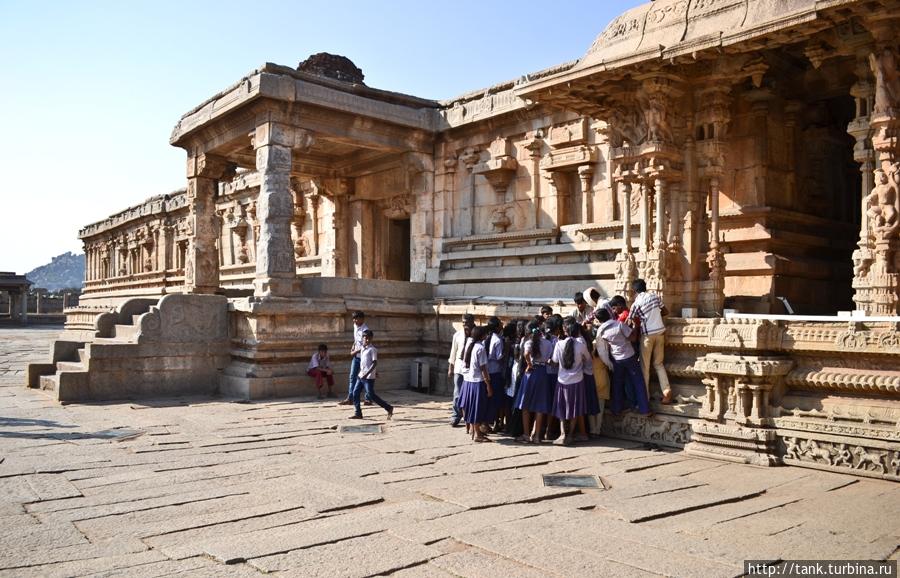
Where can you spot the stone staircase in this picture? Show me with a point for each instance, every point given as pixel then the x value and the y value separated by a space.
pixel 67 376
pixel 176 345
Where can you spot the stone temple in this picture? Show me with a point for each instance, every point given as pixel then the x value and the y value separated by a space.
pixel 737 154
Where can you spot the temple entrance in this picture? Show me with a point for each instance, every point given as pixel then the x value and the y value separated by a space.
pixel 397 266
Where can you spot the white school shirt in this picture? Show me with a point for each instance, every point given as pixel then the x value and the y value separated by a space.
pixel 603 352
pixel 316 361
pixel 476 362
pixel 616 334
pixel 587 368
pixel 545 351
pixel 457 349
pixel 495 354
pixel 367 359
pixel 573 374
pixel 358 338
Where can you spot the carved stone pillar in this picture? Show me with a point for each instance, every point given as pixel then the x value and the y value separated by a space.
pixel 470 159
pixel 450 164
pixel 298 220
pixel 659 186
pixel 276 273
pixel 714 297
pixel 162 248
pixel 626 269
pixel 645 217
pixel 586 178
pixel 420 172
pixel 877 276
pixel 362 247
pixel 535 148
pixel 314 200
pixel 336 213
pixel 201 270
pixel 557 206
pixel 654 269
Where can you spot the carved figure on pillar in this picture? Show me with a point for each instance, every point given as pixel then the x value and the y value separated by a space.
pixel 881 203
pixel 887 81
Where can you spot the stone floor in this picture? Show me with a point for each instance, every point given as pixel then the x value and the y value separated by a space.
pixel 163 487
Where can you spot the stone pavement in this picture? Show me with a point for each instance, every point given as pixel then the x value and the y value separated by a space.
pixel 188 486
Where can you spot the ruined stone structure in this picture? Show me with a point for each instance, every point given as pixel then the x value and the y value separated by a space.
pixel 15 288
pixel 737 154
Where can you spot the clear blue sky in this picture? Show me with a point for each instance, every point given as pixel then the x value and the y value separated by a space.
pixel 93 88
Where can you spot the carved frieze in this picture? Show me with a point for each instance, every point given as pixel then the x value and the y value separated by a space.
pixel 850 456
pixel 662 430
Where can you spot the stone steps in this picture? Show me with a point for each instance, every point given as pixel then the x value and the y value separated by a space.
pixel 49 382
pixel 67 377
pixel 125 332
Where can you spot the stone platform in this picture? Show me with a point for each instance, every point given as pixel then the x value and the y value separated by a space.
pixel 191 485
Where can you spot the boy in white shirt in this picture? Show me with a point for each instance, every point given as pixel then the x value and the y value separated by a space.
pixel 368 360
pixel 359 326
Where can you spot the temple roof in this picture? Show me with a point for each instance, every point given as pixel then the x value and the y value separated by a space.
pixel 667 29
pixel 673 27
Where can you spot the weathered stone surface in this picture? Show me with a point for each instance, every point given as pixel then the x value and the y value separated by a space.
pixel 473 563
pixel 444 505
pixel 363 556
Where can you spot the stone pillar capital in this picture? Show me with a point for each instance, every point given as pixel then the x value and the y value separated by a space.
pixel 207 166
pixel 273 133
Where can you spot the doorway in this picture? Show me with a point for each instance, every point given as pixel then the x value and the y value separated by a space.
pixel 397 264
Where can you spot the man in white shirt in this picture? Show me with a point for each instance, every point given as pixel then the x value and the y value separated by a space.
pixel 359 327
pixel 456 366
pixel 649 308
pixel 583 312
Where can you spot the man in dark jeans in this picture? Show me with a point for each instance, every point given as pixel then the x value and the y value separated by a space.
pixel 359 327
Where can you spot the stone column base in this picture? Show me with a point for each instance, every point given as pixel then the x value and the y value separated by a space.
pixel 734 444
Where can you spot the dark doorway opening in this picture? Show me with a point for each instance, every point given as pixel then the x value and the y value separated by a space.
pixel 397 266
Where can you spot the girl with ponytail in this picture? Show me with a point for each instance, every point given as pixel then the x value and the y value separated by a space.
pixel 535 395
pixel 569 402
pixel 476 390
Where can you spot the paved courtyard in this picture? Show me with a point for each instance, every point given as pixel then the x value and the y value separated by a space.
pixel 210 487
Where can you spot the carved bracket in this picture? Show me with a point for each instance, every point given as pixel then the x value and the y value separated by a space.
pixel 501 168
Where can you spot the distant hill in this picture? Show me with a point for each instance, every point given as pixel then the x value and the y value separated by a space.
pixel 63 271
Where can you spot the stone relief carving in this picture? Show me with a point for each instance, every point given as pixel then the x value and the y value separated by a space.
pixel 840 455
pixel 665 432
pixel 887 81
pixel 881 203
pixel 500 220
pixel 399 207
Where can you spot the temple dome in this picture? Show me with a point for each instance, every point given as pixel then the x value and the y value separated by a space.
pixel 667 28
pixel 332 66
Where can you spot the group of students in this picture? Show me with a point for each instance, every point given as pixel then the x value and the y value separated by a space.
pixel 556 370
